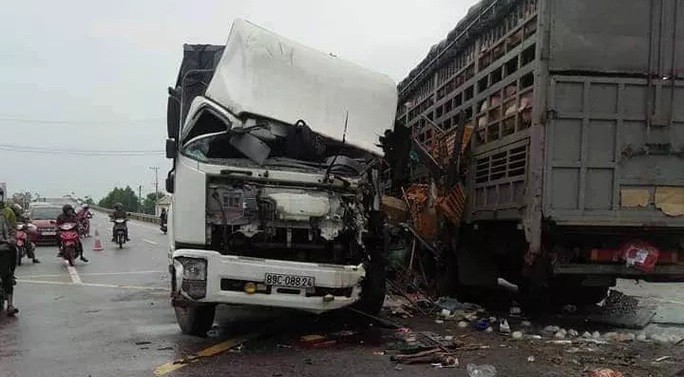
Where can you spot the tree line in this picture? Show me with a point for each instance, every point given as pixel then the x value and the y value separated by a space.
pixel 129 200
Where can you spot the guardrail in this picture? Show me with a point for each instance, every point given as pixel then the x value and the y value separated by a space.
pixel 131 215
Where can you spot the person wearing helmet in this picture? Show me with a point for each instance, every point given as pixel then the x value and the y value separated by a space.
pixel 119 213
pixel 8 255
pixel 69 216
pixel 84 216
pixel 24 219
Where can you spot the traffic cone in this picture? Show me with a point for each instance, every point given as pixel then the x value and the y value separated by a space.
pixel 97 245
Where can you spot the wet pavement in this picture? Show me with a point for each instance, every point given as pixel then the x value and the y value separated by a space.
pixel 118 322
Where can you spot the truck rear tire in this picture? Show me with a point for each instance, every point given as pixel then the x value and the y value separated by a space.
pixel 196 319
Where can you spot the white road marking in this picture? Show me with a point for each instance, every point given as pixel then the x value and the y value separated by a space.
pixel 133 287
pixel 73 274
pixel 95 274
pixel 150 242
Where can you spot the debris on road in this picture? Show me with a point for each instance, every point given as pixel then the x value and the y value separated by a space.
pixel 663 358
pixel 481 370
pixel 605 373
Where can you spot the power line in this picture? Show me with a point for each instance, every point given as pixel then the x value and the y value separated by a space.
pixel 78 152
pixel 7 118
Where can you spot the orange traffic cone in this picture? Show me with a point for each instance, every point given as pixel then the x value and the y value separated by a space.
pixel 97 245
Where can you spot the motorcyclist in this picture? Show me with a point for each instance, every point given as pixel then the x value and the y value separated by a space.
pixel 119 213
pixel 23 218
pixel 163 217
pixel 69 216
pixel 84 215
pixel 8 255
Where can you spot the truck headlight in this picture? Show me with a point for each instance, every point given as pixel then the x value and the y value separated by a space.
pixel 193 276
pixel 193 268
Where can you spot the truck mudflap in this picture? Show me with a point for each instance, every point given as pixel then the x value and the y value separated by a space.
pixel 234 280
pixel 661 273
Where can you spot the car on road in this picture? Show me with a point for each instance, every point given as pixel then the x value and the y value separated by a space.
pixel 44 217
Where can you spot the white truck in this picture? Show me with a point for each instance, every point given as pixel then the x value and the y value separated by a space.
pixel 275 178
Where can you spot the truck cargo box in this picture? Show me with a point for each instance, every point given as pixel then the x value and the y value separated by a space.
pixel 574 105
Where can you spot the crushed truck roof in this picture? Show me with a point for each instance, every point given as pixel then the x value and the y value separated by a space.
pixel 265 74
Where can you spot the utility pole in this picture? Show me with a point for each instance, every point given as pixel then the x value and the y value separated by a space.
pixel 139 197
pixel 156 183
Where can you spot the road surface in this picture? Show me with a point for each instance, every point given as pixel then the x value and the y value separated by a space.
pixel 112 317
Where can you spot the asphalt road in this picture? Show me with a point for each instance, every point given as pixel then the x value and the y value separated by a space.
pixel 112 317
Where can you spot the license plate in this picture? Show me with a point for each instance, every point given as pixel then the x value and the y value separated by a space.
pixel 289 280
pixel 49 233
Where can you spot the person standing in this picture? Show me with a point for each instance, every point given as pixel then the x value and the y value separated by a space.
pixel 8 256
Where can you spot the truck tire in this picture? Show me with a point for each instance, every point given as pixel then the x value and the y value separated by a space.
pixel 196 319
pixel 373 289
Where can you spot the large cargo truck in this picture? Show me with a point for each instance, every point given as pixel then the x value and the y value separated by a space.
pixel 275 178
pixel 574 115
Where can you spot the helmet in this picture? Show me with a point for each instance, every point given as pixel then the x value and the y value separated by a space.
pixel 86 206
pixel 118 205
pixel 67 208
pixel 17 209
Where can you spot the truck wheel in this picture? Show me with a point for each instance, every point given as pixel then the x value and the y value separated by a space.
pixel 373 289
pixel 196 319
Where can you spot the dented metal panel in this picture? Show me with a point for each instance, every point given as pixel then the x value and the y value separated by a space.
pixel 609 150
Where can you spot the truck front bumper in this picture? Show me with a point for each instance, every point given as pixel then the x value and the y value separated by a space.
pixel 335 286
pixel 661 273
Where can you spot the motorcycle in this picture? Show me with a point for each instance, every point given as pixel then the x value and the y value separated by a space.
pixel 22 240
pixel 69 239
pixel 85 226
pixel 120 231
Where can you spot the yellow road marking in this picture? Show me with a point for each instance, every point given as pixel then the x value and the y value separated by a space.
pixel 93 285
pixel 207 352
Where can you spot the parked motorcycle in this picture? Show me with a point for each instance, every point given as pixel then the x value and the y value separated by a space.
pixel 23 241
pixel 120 231
pixel 69 239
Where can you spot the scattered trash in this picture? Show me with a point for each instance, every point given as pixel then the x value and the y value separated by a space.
pixel 481 324
pixel 624 311
pixel 517 335
pixel 560 334
pixel 284 346
pixel 452 304
pixel 463 324
pixel 504 327
pixel 489 330
pixel 515 310
pixel 530 359
pixel 142 343
pixel 596 335
pixel 665 338
pixel 398 367
pixel 560 342
pixel 446 313
pixel 551 329
pixel 379 353
pixel 570 308
pixel 586 334
pixel 448 362
pixel 164 348
pixel 573 333
pixel 663 358
pixel 526 324
pixel 449 338
pixel 481 370
pixel 641 337
pixel 439 321
pixel 312 338
pixel 535 337
pixel 605 373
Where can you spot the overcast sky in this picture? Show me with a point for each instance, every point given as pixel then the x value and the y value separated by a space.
pixel 111 61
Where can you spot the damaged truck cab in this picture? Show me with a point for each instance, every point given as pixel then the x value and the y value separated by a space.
pixel 275 178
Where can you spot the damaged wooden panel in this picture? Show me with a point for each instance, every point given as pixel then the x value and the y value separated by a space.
pixel 395 209
pixel 634 197
pixel 670 200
